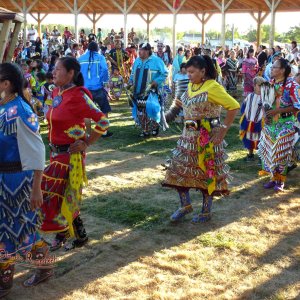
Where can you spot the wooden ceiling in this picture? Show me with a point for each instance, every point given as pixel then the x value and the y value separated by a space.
pixel 147 6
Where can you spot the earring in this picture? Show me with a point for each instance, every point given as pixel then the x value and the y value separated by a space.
pixel 3 94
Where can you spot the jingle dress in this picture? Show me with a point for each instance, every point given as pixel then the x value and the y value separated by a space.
pixel 64 177
pixel 22 152
pixel 276 144
pixel 196 162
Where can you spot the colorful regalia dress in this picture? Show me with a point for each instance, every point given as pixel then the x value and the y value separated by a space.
pixel 22 151
pixel 277 137
pixel 251 121
pixel 65 176
pixel 196 162
pixel 144 72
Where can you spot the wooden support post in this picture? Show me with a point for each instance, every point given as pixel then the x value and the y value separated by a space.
pixel 24 10
pixel 174 12
pixel 273 5
pixel 39 21
pixel 125 23
pixel 203 19
pixel 4 34
pixel 94 20
pixel 148 21
pixel 174 32
pixel 13 42
pixel 259 20
pixel 223 7
pixel 148 27
pixel 125 10
pixel 223 24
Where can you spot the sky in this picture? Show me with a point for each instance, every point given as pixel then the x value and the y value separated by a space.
pixel 184 22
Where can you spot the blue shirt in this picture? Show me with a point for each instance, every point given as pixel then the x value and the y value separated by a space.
pixel 94 70
pixel 146 71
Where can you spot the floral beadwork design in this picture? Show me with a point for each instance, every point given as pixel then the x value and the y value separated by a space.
pixel 33 119
pixel 207 155
pixel 12 111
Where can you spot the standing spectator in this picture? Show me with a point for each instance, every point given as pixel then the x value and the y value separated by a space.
pixel 99 35
pixel 262 58
pixel 271 52
pixel 32 35
pixel 121 33
pixel 55 34
pixel 231 78
pixel 95 73
pixel 295 49
pixel 92 37
pixel 67 35
pixel 38 45
pixel 177 61
pixel 249 70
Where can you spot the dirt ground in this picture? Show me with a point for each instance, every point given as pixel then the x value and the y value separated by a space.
pixel 249 250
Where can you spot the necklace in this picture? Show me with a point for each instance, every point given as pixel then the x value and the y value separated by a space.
pixel 198 88
pixel 8 99
pixel 58 99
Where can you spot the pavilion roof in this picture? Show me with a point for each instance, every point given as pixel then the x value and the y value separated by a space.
pixel 145 6
pixel 9 15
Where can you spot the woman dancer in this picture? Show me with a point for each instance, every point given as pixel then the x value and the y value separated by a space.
pixel 22 160
pixel 63 179
pixel 198 160
pixel 276 143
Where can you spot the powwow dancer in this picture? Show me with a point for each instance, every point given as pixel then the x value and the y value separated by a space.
pixel 22 160
pixel 148 72
pixel 63 179
pixel 252 119
pixel 278 134
pixel 198 159
pixel 118 58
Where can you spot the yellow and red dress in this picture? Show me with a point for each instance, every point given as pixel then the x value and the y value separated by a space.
pixel 64 177
pixel 196 162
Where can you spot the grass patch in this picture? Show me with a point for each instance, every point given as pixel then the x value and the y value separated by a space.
pixel 135 215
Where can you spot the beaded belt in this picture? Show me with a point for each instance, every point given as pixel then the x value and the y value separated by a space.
pixel 10 167
pixel 59 148
pixel 286 115
pixel 195 124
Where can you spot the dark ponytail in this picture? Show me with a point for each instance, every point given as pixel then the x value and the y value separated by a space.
pixel 13 73
pixel 71 63
pixel 284 64
pixel 79 80
pixel 203 62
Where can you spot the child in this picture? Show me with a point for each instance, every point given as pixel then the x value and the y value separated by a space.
pixel 38 100
pixel 252 119
pixel 116 84
pixel 48 88
pixel 29 78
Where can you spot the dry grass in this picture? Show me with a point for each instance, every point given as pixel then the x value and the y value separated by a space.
pixel 250 249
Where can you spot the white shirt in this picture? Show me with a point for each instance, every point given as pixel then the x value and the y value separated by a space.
pixel 32 34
